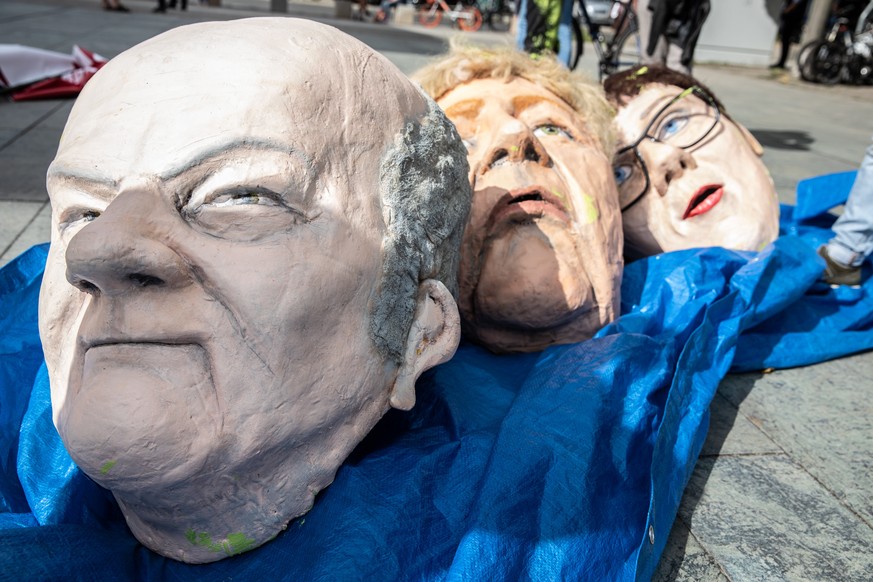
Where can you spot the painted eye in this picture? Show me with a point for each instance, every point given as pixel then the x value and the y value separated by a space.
pixel 672 126
pixel 80 218
pixel 550 130
pixel 622 173
pixel 242 197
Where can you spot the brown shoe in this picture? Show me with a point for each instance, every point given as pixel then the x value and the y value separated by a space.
pixel 836 273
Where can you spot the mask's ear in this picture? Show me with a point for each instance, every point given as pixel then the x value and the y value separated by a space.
pixel 433 339
pixel 750 139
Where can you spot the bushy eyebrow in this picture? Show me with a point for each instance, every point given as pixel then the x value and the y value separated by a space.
pixel 523 102
pixel 468 109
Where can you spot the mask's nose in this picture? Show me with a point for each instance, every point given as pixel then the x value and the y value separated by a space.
pixel 124 249
pixel 670 163
pixel 515 143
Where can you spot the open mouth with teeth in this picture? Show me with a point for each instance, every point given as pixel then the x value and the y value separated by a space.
pixel 704 200
pixel 525 204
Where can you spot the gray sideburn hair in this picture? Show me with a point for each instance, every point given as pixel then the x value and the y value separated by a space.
pixel 425 196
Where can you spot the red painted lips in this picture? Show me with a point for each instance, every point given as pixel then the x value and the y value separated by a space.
pixel 704 200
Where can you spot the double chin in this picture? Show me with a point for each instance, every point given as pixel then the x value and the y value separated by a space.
pixel 532 291
pixel 141 415
pixel 194 484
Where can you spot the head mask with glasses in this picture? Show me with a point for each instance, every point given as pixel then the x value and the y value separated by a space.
pixel 682 122
pixel 689 176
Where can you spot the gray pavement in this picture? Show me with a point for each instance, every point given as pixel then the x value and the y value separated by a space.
pixel 784 487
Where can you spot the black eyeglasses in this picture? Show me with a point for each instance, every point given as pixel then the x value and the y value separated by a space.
pixel 682 123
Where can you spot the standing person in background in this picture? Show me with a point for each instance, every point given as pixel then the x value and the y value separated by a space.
pixel 790 25
pixel 544 26
pixel 853 240
pixel 669 30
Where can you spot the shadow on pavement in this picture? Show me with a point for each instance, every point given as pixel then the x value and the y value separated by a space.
pixel 783 139
pixel 670 569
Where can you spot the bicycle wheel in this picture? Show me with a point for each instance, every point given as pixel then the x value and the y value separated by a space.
pixel 623 51
pixel 430 15
pixel 804 62
pixel 471 19
pixel 827 62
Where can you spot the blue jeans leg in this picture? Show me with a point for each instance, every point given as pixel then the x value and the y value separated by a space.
pixel 521 32
pixel 565 32
pixel 854 229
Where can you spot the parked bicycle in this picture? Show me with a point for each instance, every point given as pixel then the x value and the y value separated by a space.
pixel 468 18
pixel 843 55
pixel 617 50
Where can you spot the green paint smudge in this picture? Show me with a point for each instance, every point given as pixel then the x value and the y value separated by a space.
pixel 685 93
pixel 641 71
pixel 107 466
pixel 239 543
pixel 513 149
pixel 589 209
pixel 235 543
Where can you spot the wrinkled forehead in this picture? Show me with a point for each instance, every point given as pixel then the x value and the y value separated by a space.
pixel 296 84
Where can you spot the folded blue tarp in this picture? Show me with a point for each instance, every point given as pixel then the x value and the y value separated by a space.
pixel 567 464
pixel 824 322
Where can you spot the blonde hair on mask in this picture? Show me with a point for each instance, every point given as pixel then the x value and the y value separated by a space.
pixel 465 63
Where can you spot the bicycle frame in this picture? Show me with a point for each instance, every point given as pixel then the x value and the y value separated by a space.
pixel 468 18
pixel 864 20
pixel 608 51
pixel 453 13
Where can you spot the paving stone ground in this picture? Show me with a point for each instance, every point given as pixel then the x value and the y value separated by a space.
pixel 784 486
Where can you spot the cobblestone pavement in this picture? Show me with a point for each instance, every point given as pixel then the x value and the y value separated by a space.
pixel 784 486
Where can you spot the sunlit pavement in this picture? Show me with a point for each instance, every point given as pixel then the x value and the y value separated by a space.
pixel 784 487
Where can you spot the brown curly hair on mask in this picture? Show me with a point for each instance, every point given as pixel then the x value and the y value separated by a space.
pixel 625 85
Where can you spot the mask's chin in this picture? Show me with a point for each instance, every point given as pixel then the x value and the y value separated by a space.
pixel 144 416
pixel 532 290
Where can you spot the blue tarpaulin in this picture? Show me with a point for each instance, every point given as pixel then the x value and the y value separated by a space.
pixel 824 322
pixel 567 464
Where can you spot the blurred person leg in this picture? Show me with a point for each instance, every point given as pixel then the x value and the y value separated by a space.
pixel 521 20
pixel 644 23
pixel 674 58
pixel 853 240
pixel 565 32
pixel 542 18
pixel 684 31
pixel 790 26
